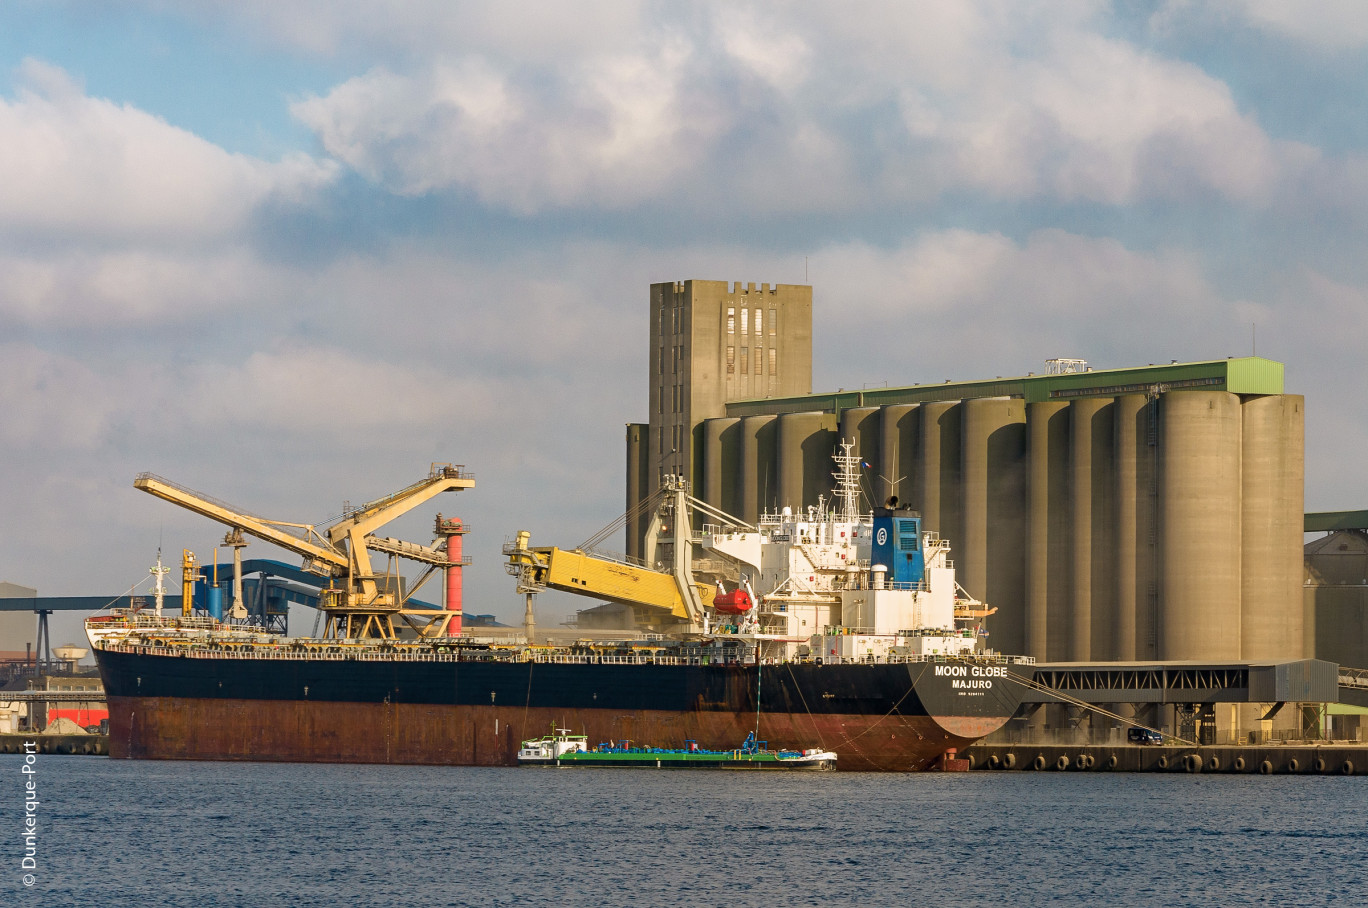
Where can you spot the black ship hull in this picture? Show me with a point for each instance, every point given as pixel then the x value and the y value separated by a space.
pixel 876 716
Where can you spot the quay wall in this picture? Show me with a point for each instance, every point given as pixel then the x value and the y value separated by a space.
pixel 1283 759
pixel 87 745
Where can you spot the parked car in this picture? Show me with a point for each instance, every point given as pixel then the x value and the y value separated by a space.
pixel 1144 736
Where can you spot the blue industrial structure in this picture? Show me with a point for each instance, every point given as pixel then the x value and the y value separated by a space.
pixel 269 588
pixel 897 545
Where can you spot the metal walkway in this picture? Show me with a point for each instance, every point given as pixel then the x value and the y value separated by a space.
pixel 303 594
pixel 1301 681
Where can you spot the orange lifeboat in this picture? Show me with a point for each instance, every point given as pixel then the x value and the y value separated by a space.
pixel 737 602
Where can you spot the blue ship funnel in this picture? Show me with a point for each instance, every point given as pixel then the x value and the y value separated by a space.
pixel 898 544
pixel 216 603
pixel 209 600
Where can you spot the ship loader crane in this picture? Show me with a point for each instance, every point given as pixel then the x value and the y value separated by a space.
pixel 359 607
pixel 671 596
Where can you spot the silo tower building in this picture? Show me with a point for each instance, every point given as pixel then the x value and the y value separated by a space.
pixel 712 342
pixel 1141 514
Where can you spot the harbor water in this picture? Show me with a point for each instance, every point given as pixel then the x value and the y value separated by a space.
pixel 127 833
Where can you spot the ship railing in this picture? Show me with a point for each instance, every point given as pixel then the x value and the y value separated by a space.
pixel 585 659
pixel 960 658
pixel 842 631
pixel 907 586
pixel 267 653
pixel 144 619
pixel 512 548
pixel 618 557
pixel 328 651
pixel 976 658
pixel 722 529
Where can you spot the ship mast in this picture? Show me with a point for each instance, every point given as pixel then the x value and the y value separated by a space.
pixel 160 589
pixel 847 477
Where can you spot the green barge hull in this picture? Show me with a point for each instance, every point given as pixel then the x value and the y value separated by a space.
pixel 667 760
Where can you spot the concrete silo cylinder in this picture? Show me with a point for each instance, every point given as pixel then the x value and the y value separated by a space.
pixel 719 461
pixel 756 476
pixel 898 425
pixel 1200 566
pixel 1271 526
pixel 1047 530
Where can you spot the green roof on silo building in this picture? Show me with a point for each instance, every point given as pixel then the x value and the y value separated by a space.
pixel 1331 521
pixel 1238 375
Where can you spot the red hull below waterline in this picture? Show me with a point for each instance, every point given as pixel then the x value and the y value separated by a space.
pixel 312 732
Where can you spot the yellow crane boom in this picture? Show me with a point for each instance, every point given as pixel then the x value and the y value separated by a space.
pixel 575 571
pixel 362 608
pixel 587 573
pixel 320 552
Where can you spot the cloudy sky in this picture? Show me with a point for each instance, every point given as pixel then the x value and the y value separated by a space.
pixel 290 254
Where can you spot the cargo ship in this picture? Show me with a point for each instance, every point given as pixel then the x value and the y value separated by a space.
pixel 861 642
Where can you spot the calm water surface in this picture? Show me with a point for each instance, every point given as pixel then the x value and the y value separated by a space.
pixel 120 833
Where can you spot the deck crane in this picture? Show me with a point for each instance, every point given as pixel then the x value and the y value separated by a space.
pixel 359 607
pixel 672 595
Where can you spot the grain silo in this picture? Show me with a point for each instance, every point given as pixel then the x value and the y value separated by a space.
pixel 1149 513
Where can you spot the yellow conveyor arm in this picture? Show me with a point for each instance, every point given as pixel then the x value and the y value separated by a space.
pixel 589 575
pixel 261 528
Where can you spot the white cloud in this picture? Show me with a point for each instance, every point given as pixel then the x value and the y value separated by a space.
pixel 52 401
pixel 329 395
pixel 1089 118
pixel 765 46
pixel 1329 24
pixel 609 132
pixel 57 401
pixel 78 289
pixel 1317 299
pixel 109 214
pixel 958 304
pixel 87 169
pixel 409 28
pixel 734 104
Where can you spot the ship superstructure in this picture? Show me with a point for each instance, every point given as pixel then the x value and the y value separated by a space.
pixel 839 584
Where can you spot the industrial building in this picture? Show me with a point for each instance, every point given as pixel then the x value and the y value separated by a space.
pixel 712 342
pixel 1141 514
pixel 1336 587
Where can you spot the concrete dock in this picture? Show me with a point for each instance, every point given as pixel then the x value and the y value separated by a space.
pixel 93 745
pixel 1282 759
